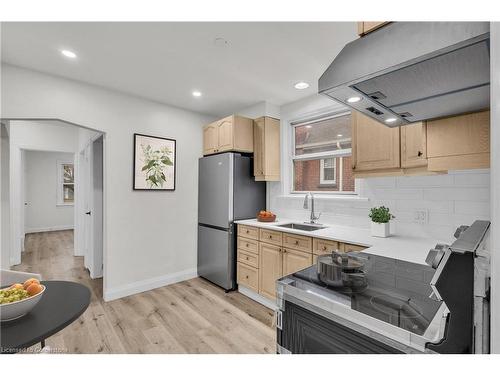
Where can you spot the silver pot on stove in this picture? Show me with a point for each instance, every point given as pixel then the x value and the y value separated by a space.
pixel 341 270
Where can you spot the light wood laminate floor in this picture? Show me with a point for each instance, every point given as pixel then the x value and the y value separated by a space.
pixel 193 316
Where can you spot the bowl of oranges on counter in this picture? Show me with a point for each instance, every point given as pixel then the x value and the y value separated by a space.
pixel 18 299
pixel 266 216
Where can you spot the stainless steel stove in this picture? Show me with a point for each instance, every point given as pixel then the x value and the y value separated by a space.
pixel 404 307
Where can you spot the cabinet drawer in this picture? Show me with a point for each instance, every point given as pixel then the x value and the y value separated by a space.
pixel 247 276
pixel 270 236
pixel 248 258
pixel 347 247
pixel 248 231
pixel 321 247
pixel 248 245
pixel 297 242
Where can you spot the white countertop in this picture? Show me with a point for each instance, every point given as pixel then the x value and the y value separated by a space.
pixel 410 249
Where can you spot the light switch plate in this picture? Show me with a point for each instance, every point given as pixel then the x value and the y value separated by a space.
pixel 421 216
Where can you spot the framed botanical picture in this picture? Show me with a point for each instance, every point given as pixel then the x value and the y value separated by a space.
pixel 154 163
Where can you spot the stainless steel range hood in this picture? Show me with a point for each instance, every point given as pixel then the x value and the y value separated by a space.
pixel 412 71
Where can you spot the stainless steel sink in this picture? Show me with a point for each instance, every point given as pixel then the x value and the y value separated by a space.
pixel 302 226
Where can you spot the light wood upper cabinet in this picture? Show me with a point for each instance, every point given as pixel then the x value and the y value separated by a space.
pixel 375 146
pixel 367 27
pixel 233 133
pixel 295 260
pixel 266 133
pixel 270 269
pixel 459 142
pixel 210 139
pixel 414 145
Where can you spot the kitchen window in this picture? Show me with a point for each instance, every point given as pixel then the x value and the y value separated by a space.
pixel 322 155
pixel 65 184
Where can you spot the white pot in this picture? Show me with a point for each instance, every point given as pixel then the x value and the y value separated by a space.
pixel 381 229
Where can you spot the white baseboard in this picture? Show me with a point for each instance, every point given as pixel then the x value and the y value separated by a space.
pixel 49 229
pixel 270 304
pixel 149 284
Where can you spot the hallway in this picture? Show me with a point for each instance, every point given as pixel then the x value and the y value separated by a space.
pixel 193 316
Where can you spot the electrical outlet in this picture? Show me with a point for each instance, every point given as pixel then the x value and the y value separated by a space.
pixel 421 217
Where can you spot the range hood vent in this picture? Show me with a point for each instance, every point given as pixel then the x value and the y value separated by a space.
pixel 413 71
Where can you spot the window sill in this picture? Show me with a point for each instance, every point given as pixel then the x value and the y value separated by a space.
pixel 327 197
pixel 64 204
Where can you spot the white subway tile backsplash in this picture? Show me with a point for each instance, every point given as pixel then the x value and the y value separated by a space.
pixel 472 208
pixel 457 198
pixel 457 194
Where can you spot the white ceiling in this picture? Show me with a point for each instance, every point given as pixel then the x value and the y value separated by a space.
pixel 166 61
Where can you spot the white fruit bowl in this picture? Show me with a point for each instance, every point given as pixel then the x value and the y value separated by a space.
pixel 15 310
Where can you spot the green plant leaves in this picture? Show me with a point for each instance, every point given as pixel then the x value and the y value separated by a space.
pixel 381 214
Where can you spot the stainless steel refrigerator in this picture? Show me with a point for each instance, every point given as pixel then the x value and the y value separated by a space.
pixel 227 191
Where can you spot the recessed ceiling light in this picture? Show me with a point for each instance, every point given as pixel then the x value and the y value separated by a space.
pixel 339 135
pixel 301 85
pixel 354 99
pixel 196 94
pixel 68 53
pixel 391 120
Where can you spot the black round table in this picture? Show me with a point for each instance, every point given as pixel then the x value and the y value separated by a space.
pixel 62 303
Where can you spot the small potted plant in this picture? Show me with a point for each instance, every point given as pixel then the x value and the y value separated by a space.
pixel 380 221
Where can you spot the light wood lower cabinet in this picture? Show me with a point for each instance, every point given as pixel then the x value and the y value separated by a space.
pixel 295 260
pixel 265 255
pixel 270 269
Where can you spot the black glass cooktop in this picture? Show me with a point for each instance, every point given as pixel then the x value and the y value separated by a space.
pixel 397 292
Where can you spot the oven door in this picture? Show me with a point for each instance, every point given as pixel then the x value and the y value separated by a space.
pixel 305 332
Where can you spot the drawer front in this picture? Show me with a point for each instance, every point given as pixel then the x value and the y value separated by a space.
pixel 248 245
pixel 248 231
pixel 248 258
pixel 321 247
pixel 296 242
pixel 347 247
pixel 270 236
pixel 247 276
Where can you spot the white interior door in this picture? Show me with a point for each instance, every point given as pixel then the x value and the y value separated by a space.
pixel 97 208
pixel 86 212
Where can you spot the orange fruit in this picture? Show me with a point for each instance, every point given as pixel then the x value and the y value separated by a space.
pixel 28 282
pixel 16 286
pixel 34 288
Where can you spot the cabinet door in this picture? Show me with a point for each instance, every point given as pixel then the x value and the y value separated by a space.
pixel 270 269
pixel 367 27
pixel 460 142
pixel 258 147
pixel 414 145
pixel 375 146
pixel 210 141
pixel 295 260
pixel 225 134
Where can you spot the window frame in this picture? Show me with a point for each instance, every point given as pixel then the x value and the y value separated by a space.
pixel 61 183
pixel 319 155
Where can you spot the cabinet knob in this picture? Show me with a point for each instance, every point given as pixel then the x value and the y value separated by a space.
pixel 420 153
pixel 247 258
pixel 324 247
pixel 296 242
pixel 248 231
pixel 247 245
pixel 270 236
pixel 279 249
pixel 246 277
pixel 284 250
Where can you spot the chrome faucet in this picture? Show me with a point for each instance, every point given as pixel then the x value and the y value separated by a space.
pixel 306 206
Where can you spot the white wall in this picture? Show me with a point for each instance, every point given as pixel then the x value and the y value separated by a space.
pixel 451 200
pixel 4 204
pixel 495 185
pixel 260 109
pixel 150 237
pixel 42 212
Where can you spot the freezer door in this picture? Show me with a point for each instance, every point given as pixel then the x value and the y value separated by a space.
pixel 216 260
pixel 215 190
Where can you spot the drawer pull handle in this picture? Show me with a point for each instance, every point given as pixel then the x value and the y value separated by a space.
pixel 296 242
